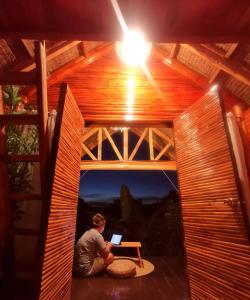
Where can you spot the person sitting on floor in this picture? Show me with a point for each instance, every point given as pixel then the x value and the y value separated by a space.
pixel 92 253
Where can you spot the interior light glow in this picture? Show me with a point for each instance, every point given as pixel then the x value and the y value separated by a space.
pixel 129 118
pixel 133 50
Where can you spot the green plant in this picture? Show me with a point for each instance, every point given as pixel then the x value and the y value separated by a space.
pixel 20 140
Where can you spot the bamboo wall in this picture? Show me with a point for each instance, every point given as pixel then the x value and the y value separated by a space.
pixel 66 152
pixel 247 122
pixel 246 136
pixel 216 240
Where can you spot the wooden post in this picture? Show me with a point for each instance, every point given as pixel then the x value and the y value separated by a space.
pixel 5 209
pixel 42 105
pixel 239 115
pixel 42 108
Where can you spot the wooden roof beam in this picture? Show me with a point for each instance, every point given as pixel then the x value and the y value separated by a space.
pixel 197 79
pixel 129 124
pixel 179 67
pixel 82 49
pixel 28 47
pixel 128 165
pixel 79 62
pixel 174 51
pixel 53 52
pixel 232 68
pixel 229 52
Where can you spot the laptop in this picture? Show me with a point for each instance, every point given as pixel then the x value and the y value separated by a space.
pixel 116 239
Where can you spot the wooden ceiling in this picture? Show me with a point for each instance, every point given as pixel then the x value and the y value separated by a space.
pixel 162 20
pixel 108 90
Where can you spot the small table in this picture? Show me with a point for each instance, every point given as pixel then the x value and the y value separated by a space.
pixel 136 245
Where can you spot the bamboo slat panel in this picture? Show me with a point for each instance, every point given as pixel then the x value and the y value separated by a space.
pixel 215 228
pixel 66 152
pixel 246 136
pixel 247 122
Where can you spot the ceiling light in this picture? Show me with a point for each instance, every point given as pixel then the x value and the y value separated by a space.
pixel 133 50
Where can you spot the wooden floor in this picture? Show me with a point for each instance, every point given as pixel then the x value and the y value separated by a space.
pixel 167 282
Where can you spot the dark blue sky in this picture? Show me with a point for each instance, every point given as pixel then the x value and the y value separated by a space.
pixel 105 185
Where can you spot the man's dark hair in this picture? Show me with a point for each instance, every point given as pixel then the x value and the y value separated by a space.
pixel 98 220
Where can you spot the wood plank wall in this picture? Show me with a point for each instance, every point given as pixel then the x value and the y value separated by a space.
pixel 65 163
pixel 216 236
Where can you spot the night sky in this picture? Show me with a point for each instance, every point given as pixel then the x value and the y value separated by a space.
pixel 105 185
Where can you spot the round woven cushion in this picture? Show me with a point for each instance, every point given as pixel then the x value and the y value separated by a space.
pixel 122 268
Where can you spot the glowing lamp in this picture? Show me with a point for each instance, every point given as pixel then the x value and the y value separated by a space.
pixel 133 50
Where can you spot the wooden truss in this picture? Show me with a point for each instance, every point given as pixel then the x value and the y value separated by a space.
pixel 159 140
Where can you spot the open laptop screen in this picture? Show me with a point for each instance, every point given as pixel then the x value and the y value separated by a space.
pixel 116 239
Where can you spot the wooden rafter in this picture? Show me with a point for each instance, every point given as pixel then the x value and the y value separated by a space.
pixel 99 153
pixel 145 131
pixel 117 152
pixel 82 49
pixel 199 80
pixel 86 149
pixel 53 52
pixel 125 144
pixel 164 136
pixel 151 144
pixel 89 133
pixel 174 51
pixel 157 145
pixel 222 63
pixel 229 52
pixel 163 151
pixel 28 47
pixel 92 142
pixel 79 62
pixel 161 142
pixel 179 67
pixel 215 49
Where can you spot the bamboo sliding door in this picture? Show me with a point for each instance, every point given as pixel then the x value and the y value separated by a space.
pixel 215 227
pixel 63 190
